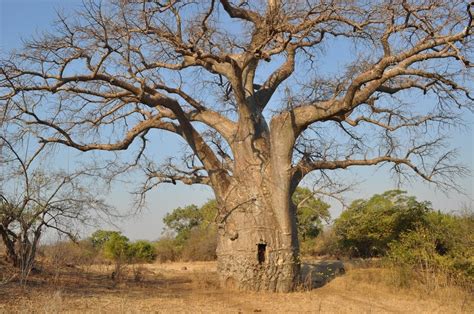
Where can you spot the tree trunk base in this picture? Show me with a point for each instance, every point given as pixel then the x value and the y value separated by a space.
pixel 245 272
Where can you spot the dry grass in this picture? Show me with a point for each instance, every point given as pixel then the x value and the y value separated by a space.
pixel 192 288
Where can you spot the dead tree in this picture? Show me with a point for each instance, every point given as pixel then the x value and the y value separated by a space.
pixel 211 72
pixel 34 198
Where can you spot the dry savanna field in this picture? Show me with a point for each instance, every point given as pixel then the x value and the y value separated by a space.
pixel 266 105
pixel 193 288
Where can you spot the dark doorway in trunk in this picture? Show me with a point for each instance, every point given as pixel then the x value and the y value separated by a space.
pixel 261 247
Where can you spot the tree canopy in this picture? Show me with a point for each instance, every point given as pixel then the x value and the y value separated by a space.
pixel 119 69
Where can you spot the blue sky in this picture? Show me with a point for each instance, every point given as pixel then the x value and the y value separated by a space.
pixel 20 19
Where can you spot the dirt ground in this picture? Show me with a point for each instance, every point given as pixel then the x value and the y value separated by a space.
pixel 193 288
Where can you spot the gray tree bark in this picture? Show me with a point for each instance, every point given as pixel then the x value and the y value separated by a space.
pixel 258 242
pixel 256 250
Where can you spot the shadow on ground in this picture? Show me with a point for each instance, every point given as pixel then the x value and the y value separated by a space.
pixel 317 274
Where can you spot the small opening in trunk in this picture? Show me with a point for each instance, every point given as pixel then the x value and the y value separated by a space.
pixel 261 247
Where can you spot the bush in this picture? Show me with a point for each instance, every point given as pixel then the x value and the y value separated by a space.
pixel 99 237
pixel 167 249
pixel 442 247
pixel 367 227
pixel 308 247
pixel 142 251
pixel 64 253
pixel 191 234
pixel 117 247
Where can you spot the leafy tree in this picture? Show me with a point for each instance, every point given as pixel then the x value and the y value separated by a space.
pixel 99 237
pixel 368 226
pixel 311 212
pixel 209 72
pixel 195 233
pixel 183 220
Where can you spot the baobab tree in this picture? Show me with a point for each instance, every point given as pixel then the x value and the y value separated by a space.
pixel 246 85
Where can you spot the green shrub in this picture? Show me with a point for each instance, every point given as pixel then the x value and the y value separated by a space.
pixel 310 214
pixel 142 251
pixel 191 234
pixel 117 247
pixel 182 220
pixel 367 227
pixel 442 247
pixel 99 237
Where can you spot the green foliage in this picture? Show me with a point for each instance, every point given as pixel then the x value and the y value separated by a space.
pixel 311 212
pixel 183 220
pixel 142 251
pixel 444 245
pixel 367 227
pixel 99 237
pixel 423 245
pixel 194 231
pixel 117 247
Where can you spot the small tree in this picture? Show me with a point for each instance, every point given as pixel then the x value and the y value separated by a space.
pixel 117 248
pixel 195 232
pixel 33 199
pixel 99 237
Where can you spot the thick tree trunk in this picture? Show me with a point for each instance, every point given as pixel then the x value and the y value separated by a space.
pixel 258 245
pixel 255 252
